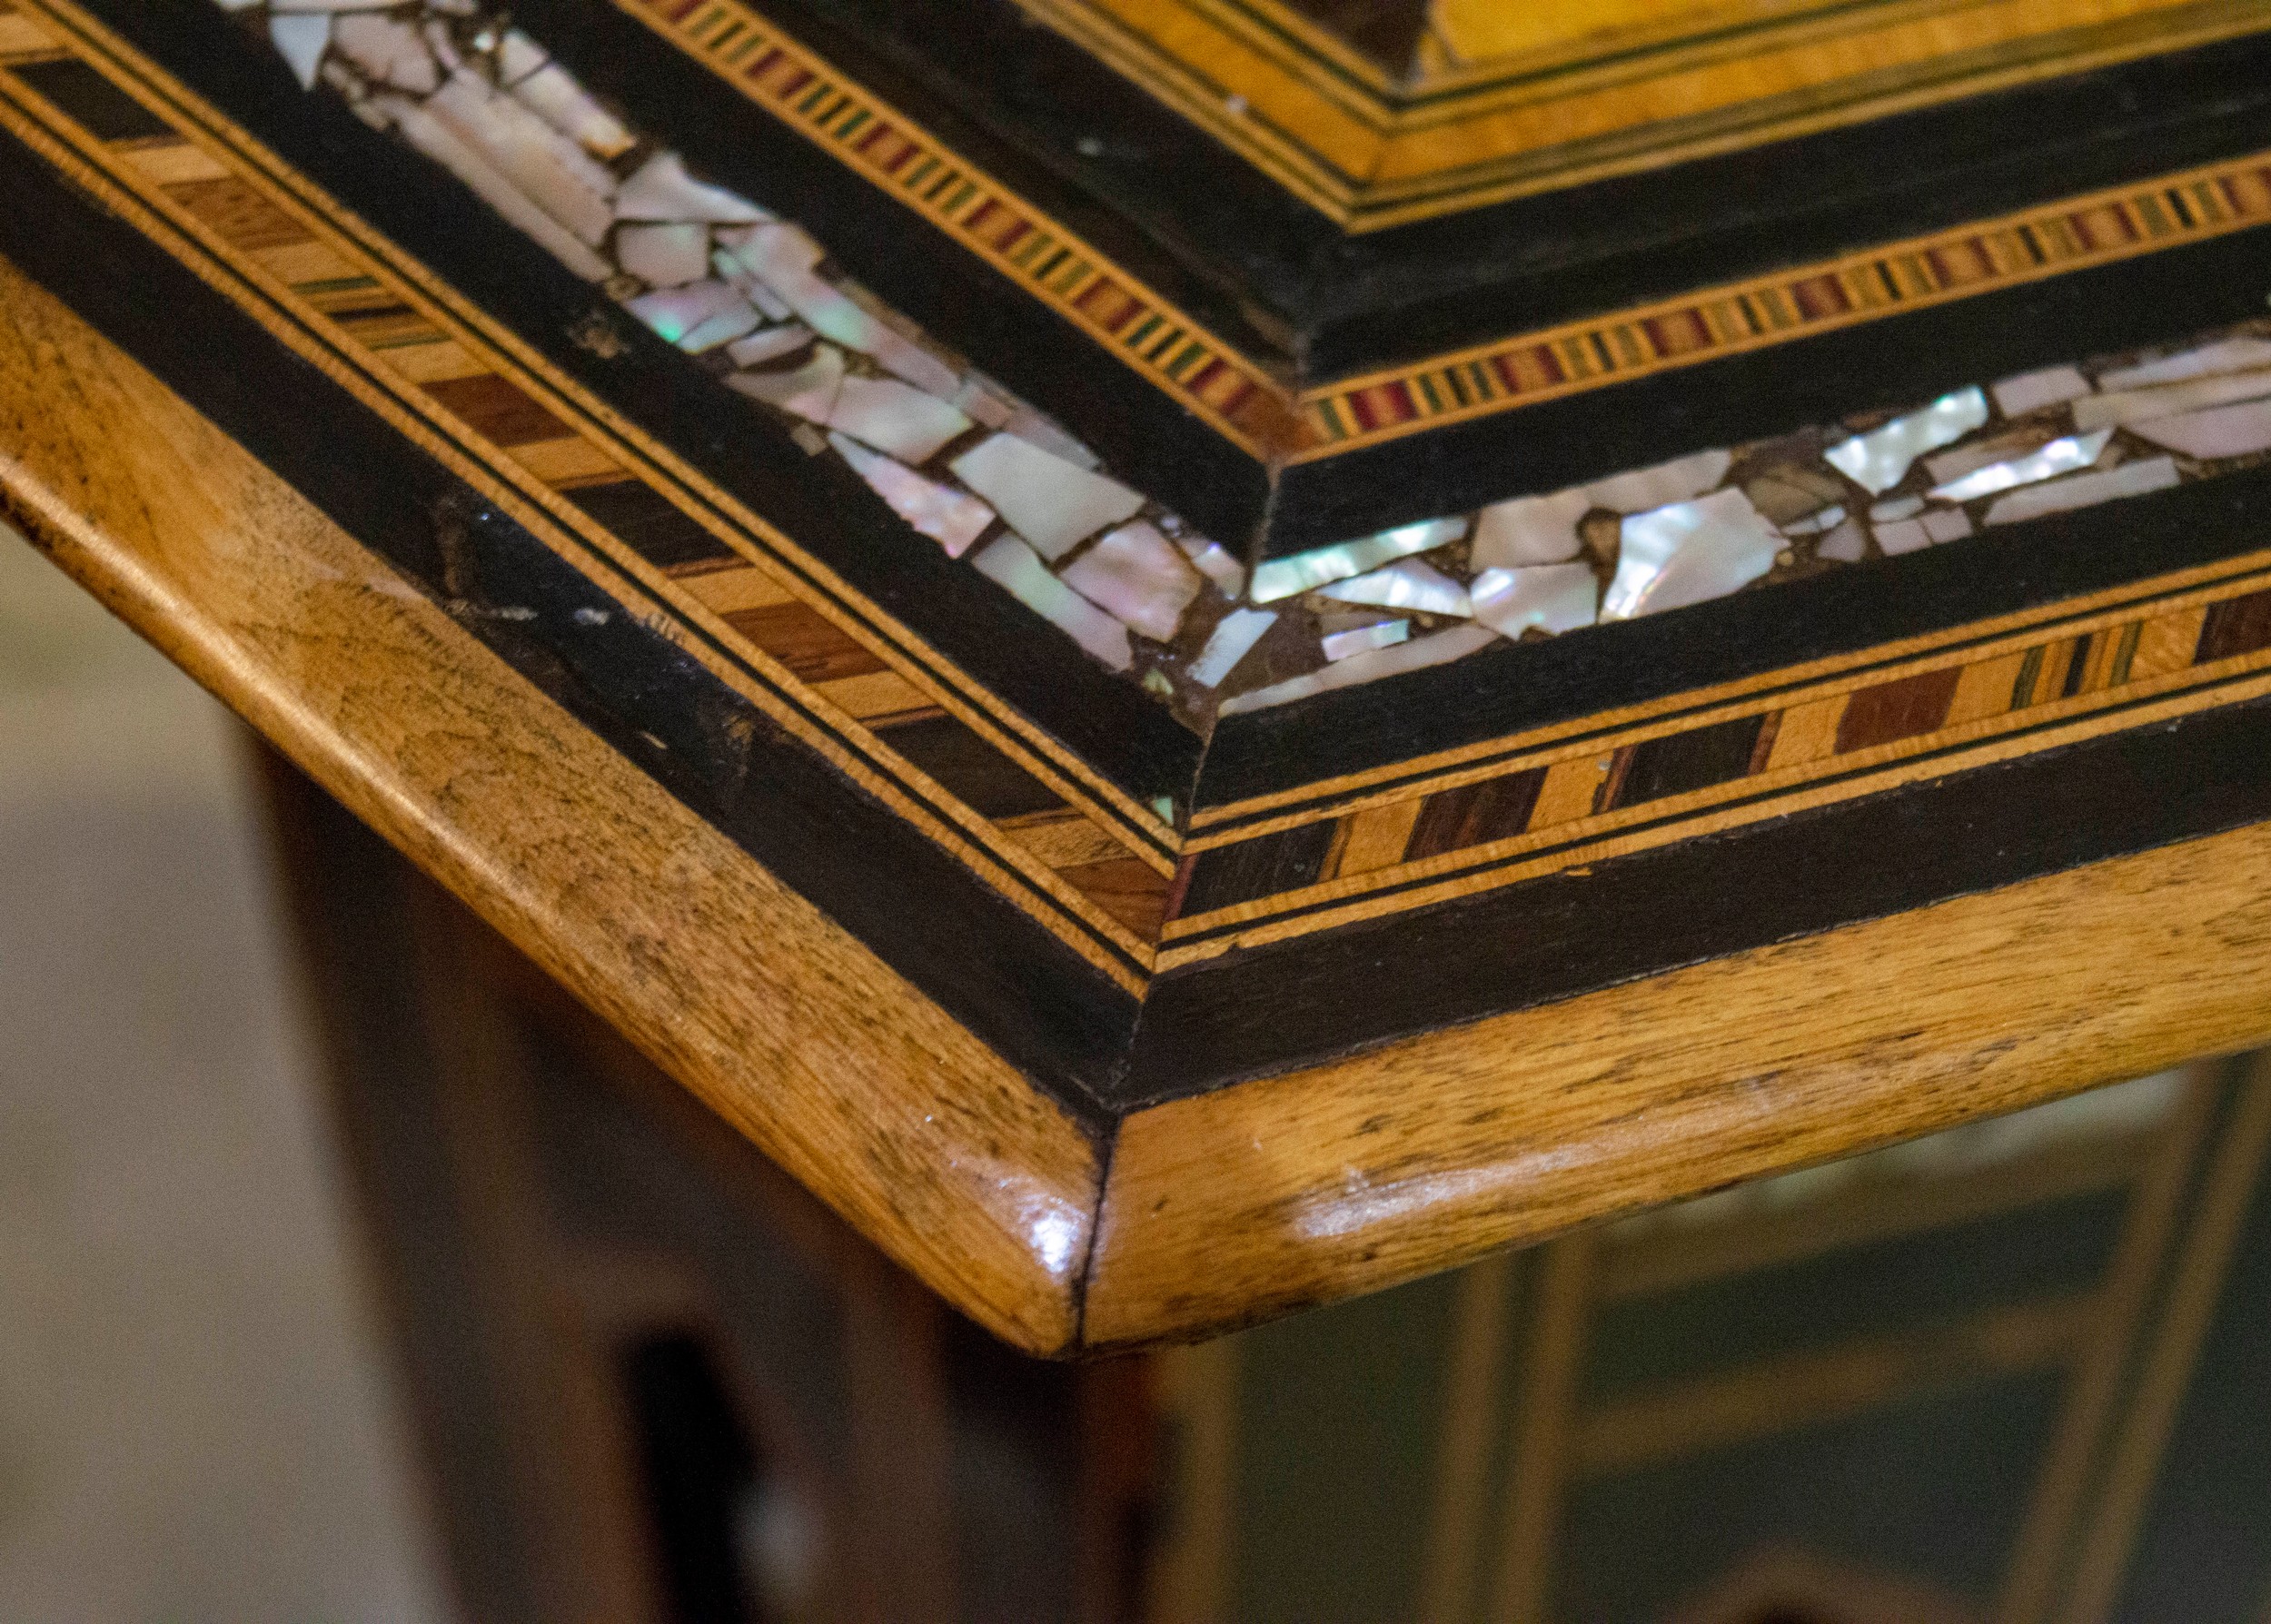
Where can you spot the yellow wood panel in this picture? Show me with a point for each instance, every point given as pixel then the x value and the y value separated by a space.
pixel 1481 31
pixel 1994 39
pixel 1523 98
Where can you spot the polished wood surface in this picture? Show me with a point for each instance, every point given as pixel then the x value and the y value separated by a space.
pixel 1283 1121
pixel 843 1074
pixel 1346 1178
pixel 1221 1210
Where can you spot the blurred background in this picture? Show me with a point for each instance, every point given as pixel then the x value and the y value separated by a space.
pixel 196 1418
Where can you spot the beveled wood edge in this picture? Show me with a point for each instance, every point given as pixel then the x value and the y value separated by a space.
pixel 851 1079
pixel 1218 1210
pixel 1254 1200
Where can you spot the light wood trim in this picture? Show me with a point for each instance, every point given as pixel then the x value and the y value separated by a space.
pixel 1371 151
pixel 1351 1176
pixel 2063 1480
pixel 848 1077
pixel 1463 1448
pixel 2185 1319
pixel 1319 1184
pixel 1538 1452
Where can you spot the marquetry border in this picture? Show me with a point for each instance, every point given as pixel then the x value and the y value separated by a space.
pixel 2101 228
pixel 1373 150
pixel 1204 1212
pixel 1243 401
pixel 1229 392
pixel 1089 868
pixel 2176 648
pixel 1098 873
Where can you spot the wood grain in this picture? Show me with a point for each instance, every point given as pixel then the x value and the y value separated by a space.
pixel 1255 1201
pixel 1351 1176
pixel 1518 99
pixel 833 1065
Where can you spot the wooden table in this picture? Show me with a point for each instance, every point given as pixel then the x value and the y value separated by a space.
pixel 1199 658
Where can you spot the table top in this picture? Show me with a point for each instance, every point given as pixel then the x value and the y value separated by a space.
pixel 1203 654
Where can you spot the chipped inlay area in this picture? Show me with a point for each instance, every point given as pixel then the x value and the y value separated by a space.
pixel 755 301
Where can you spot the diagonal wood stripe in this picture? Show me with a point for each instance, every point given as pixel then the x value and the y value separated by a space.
pixel 458 407
pixel 1226 389
pixel 699 503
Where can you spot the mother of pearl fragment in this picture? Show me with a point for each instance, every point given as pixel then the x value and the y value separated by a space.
pixel 1530 530
pixel 1881 459
pixel 952 519
pixel 1044 499
pixel 1137 574
pixel 1010 564
pixel 1550 597
pixel 1689 552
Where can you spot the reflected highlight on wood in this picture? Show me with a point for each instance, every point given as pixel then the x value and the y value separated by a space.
pixel 1346 1178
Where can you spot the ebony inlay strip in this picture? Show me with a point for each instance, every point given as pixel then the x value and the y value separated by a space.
pixel 1121 733
pixel 1230 874
pixel 1356 303
pixel 2238 626
pixel 1473 815
pixel 1681 763
pixel 1895 711
pixel 1506 689
pixel 1626 917
pixel 1143 433
pixel 105 110
pixel 996 970
pixel 1895 362
pixel 651 526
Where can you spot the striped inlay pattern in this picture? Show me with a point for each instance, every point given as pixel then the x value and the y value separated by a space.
pixel 1045 257
pixel 1969 260
pixel 873 710
pixel 2170 646
pixel 1547 811
pixel 1245 403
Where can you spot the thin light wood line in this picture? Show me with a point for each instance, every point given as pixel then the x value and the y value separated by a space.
pixel 2184 1318
pixel 955 221
pixel 1190 1582
pixel 1726 1408
pixel 2063 1478
pixel 1355 102
pixel 1231 117
pixel 717 511
pixel 783 1022
pixel 829 732
pixel 1786 687
pixel 1687 817
pixel 1822 780
pixel 1860 262
pixel 1411 1156
pixel 1468 1427
pixel 1411 201
pixel 1540 1447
